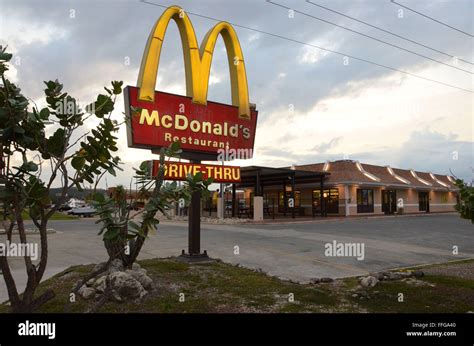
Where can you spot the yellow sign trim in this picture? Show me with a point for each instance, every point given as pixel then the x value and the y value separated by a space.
pixel 197 60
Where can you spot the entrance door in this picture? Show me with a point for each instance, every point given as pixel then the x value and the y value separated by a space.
pixel 389 201
pixel 330 200
pixel 423 201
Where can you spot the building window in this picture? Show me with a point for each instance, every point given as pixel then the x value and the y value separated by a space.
pixel 444 197
pixel 281 203
pixel 331 201
pixel 365 201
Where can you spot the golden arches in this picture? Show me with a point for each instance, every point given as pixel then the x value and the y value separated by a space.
pixel 197 61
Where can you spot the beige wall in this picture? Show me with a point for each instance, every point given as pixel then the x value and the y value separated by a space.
pixel 442 201
pixel 410 200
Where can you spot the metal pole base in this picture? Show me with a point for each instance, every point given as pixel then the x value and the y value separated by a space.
pixel 199 257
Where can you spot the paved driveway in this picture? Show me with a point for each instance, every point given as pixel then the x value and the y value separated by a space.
pixel 291 251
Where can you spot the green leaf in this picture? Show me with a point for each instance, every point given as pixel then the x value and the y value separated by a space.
pixel 198 177
pixel 111 234
pixel 18 129
pixel 44 114
pixel 78 162
pixel 117 86
pixel 175 146
pixel 133 225
pixel 103 106
pixel 79 187
pixel 5 56
pixel 56 142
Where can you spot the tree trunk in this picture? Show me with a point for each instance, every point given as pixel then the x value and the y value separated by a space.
pixel 27 303
pixel 10 282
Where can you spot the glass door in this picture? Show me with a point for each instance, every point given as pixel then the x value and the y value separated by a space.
pixel 423 201
pixel 389 201
pixel 331 201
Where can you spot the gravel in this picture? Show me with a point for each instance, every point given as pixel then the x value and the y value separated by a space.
pixel 462 270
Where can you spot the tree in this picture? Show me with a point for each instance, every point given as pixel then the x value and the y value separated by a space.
pixel 73 157
pixel 465 205
pixel 123 235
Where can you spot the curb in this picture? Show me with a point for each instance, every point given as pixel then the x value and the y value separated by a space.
pixel 29 231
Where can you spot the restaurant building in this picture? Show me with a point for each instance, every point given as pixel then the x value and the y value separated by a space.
pixel 342 188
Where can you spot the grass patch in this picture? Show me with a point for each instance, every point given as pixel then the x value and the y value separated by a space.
pixel 61 216
pixel 452 263
pixel 220 287
pixel 211 287
pixel 439 294
pixel 56 216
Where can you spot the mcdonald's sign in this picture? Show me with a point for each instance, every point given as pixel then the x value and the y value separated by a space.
pixel 156 119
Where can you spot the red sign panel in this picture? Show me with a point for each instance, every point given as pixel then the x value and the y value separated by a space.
pixel 179 170
pixel 198 128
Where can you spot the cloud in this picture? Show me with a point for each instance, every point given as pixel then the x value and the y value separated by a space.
pixel 433 151
pixel 325 146
pixel 425 150
pixel 356 109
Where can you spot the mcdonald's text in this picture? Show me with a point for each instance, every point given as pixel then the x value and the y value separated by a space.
pixel 198 128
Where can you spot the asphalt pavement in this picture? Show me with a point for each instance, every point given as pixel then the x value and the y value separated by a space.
pixel 291 251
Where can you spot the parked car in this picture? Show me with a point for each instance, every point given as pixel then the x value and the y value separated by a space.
pixel 85 211
pixel 64 207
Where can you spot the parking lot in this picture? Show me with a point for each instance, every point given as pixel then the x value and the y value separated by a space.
pixel 289 250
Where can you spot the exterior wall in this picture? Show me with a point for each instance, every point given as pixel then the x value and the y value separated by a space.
pixel 439 201
pixel 353 200
pixel 342 200
pixel 442 201
pixel 410 201
pixel 378 200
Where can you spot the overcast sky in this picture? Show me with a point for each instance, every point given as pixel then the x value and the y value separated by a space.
pixel 313 105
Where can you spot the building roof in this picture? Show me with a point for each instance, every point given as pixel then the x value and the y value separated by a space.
pixel 354 172
pixel 270 175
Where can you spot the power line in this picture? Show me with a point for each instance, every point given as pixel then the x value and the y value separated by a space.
pixel 318 47
pixel 389 32
pixel 431 18
pixel 368 36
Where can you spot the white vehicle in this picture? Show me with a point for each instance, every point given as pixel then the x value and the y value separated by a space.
pixel 85 211
pixel 76 203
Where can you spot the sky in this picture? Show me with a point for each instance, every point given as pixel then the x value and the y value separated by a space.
pixel 314 105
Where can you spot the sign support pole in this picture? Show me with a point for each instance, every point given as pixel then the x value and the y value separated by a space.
pixel 194 222
pixel 194 227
